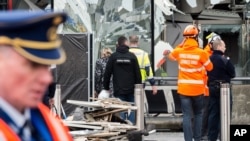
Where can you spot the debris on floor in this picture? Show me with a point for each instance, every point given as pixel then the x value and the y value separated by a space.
pixel 102 122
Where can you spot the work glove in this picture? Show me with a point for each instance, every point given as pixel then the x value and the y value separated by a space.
pixel 104 94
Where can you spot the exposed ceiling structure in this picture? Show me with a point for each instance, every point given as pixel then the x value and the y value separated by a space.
pixel 232 11
pixel 109 19
pixel 24 4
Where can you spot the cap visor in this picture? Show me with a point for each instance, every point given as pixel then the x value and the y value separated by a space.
pixel 46 57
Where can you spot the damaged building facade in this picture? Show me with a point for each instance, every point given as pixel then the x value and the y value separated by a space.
pixel 94 24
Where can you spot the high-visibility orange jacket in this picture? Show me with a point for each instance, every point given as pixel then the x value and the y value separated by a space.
pixel 210 52
pixel 192 60
pixel 205 78
pixel 208 49
pixel 58 131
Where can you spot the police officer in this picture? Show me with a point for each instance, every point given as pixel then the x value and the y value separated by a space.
pixel 209 49
pixel 211 38
pixel 222 72
pixel 28 46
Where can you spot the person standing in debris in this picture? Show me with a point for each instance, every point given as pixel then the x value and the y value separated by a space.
pixel 192 60
pixel 100 69
pixel 222 72
pixel 28 46
pixel 124 68
pixel 144 62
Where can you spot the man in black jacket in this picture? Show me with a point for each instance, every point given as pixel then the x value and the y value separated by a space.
pixel 124 67
pixel 222 72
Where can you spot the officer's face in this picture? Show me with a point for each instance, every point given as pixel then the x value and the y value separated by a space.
pixel 222 46
pixel 23 83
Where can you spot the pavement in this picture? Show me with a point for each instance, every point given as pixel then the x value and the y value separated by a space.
pixel 165 136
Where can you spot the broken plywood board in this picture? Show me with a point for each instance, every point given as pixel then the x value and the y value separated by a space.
pixel 104 113
pixel 111 125
pixel 120 128
pixel 97 104
pixel 92 123
pixel 104 134
pixel 84 126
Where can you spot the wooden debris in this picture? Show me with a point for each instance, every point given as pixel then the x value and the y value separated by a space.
pixel 109 112
pixel 104 134
pixel 103 104
pixel 103 119
pixel 84 126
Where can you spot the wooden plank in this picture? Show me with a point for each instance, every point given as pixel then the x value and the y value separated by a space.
pixel 92 123
pixel 109 112
pixel 104 134
pixel 84 132
pixel 97 104
pixel 84 126
pixel 119 138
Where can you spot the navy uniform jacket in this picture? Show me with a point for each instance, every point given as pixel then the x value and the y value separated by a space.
pixel 223 68
pixel 124 67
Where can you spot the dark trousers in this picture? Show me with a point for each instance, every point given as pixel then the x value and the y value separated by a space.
pixel 204 129
pixel 131 115
pixel 214 113
pixel 214 124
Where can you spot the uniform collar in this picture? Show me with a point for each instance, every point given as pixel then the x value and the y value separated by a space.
pixel 218 52
pixel 122 49
pixel 18 118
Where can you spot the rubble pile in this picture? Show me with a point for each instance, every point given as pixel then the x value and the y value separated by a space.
pixel 102 122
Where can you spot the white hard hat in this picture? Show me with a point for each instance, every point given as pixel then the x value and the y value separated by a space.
pixel 212 37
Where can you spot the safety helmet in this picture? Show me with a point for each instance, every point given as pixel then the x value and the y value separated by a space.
pixel 212 37
pixel 190 31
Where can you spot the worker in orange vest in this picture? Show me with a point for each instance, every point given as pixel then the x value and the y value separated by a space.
pixel 28 46
pixel 192 61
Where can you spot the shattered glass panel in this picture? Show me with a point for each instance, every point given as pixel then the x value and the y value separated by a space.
pixel 114 18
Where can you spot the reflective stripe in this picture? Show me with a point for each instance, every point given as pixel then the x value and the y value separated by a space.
pixel 190 70
pixel 206 63
pixel 190 81
pixel 143 67
pixel 150 77
pixel 58 131
pixel 142 60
